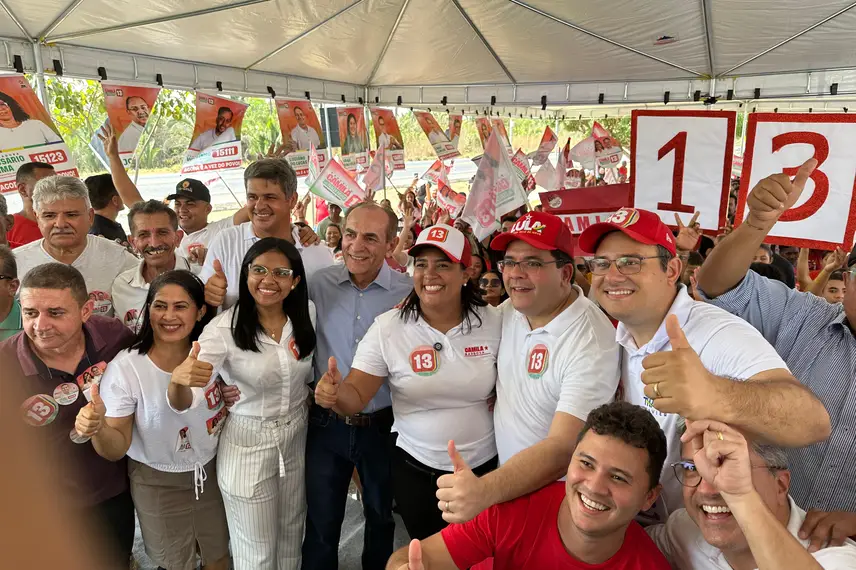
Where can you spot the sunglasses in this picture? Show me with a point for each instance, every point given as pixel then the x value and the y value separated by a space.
pixel 490 282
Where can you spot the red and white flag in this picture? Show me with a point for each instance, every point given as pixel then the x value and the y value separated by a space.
pixel 562 166
pixel 451 201
pixel 437 172
pixel 546 177
pixel 548 143
pixel 375 178
pixel 335 185
pixel 521 166
pixel 314 164
pixel 583 152
pixel 607 148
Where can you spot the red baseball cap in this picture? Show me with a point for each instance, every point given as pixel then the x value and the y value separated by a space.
pixel 538 229
pixel 643 226
pixel 447 239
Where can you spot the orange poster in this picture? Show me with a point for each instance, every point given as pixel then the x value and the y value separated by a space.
pixel 453 133
pixel 300 128
pixel 353 137
pixel 484 127
pixel 216 140
pixel 388 134
pixel 443 147
pixel 128 111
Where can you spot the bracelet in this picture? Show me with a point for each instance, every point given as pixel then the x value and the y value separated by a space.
pixel 754 227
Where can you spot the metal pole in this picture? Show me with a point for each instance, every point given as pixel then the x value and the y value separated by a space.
pixel 41 87
pixel 511 131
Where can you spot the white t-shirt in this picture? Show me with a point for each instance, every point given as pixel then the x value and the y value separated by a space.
pixel 727 345
pixel 570 366
pixel 100 263
pixel 162 438
pixel 203 237
pixel 305 137
pixel 435 137
pixel 684 546
pixel 210 138
pixel 273 382
pixel 29 133
pixel 437 395
pixel 129 293
pixel 231 245
pixel 130 137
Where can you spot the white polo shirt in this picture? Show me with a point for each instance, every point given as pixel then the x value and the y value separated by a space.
pixel 203 237
pixel 684 546
pixel 727 345
pixel 129 293
pixel 231 245
pixel 439 383
pixel 101 261
pixel 570 365
pixel 162 438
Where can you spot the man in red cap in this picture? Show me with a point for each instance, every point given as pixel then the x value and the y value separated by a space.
pixel 686 358
pixel 558 361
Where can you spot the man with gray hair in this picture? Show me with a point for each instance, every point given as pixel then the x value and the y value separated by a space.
pixel 737 511
pixel 10 309
pixel 271 186
pixel 64 214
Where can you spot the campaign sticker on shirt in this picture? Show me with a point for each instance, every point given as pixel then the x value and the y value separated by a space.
pixel 90 376
pixel 66 393
pixel 538 361
pixel 424 360
pixel 473 351
pixel 103 302
pixel 183 443
pixel 213 396
pixel 215 422
pixel 39 410
pixel 77 438
pixel 130 320
pixel 292 346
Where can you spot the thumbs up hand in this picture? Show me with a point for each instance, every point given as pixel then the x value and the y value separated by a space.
pixel 776 194
pixel 90 418
pixel 215 288
pixel 327 389
pixel 414 557
pixel 676 380
pixel 192 373
pixel 462 495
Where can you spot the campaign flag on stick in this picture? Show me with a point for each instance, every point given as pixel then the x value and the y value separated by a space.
pixel 562 166
pixel 216 140
pixel 453 133
pixel 443 147
pixel 607 148
pixel 314 164
pixel 375 178
pixel 301 131
pixel 451 201
pixel 521 167
pixel 128 110
pixel 546 176
pixel 352 131
pixel 496 190
pixel 28 134
pixel 499 124
pixel 583 152
pixel 388 134
pixel 548 143
pixel 436 172
pixel 335 185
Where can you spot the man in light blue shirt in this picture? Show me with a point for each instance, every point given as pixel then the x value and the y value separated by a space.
pixel 347 299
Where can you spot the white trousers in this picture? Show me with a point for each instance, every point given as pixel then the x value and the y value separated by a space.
pixel 260 470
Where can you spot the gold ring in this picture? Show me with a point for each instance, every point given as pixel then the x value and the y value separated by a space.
pixel 657 390
pixel 448 510
pixel 719 435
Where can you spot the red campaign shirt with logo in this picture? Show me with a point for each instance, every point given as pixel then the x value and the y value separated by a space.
pixel 23 232
pixel 523 535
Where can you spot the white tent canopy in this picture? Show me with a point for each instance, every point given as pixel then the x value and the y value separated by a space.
pixel 514 53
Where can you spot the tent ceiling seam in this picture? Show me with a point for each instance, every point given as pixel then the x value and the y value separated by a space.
pixel 603 38
pixel 16 21
pixel 388 42
pixel 60 18
pixel 707 19
pixel 787 40
pixel 484 40
pixel 303 34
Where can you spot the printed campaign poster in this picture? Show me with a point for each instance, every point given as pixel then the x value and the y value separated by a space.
pixel 388 135
pixel 499 124
pixel 484 128
pixel 451 201
pixel 548 143
pixel 437 172
pixel 27 133
pixel 352 133
pixel 453 133
pixel 375 178
pixel 336 185
pixel 521 168
pixel 128 110
pixel 607 148
pixel 443 147
pixel 301 129
pixel 216 140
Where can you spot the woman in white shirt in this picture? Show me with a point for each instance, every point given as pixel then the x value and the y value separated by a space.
pixel 17 129
pixel 439 353
pixel 264 345
pixel 171 454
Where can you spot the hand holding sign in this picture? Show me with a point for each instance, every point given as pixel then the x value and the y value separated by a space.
pixel 192 373
pixel 776 194
pixel 677 381
pixel 215 289
pixel 327 389
pixel 90 418
pixel 462 495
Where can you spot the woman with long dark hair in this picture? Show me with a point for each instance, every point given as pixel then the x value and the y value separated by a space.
pixel 18 129
pixel 263 345
pixel 170 454
pixel 492 289
pixel 354 142
pixel 441 369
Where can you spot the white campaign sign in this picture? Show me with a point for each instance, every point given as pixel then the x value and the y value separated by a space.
pixel 681 163
pixel 824 216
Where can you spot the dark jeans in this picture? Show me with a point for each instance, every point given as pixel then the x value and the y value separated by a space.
pixel 415 488
pixel 115 521
pixel 333 449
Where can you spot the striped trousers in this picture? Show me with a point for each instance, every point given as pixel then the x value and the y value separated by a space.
pixel 261 470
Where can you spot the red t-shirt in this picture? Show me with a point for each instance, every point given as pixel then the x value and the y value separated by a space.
pixel 524 534
pixel 23 232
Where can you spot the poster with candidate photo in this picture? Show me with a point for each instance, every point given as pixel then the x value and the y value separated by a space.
pixel 388 136
pixel 443 147
pixel 301 131
pixel 128 110
pixel 216 140
pixel 453 133
pixel 27 133
pixel 500 126
pixel 607 148
pixel 484 128
pixel 353 137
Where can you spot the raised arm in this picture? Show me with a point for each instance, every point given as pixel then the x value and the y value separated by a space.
pixel 111 437
pixel 126 188
pixel 729 261
pixel 833 260
pixel 804 280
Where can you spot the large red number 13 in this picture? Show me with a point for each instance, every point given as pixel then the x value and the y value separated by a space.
pixel 679 145
pixel 821 182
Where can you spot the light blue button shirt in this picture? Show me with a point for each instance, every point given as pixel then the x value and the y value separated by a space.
pixel 345 313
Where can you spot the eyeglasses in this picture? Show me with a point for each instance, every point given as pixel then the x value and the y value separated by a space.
pixel 628 265
pixel 687 473
pixel 2 277
pixel 529 266
pixel 278 273
pixel 490 282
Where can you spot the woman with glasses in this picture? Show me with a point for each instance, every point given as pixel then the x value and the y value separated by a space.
pixel 438 352
pixel 264 345
pixel 170 454
pixel 490 284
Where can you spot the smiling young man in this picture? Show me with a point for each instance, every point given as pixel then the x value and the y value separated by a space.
pixel 271 195
pixel 584 523
pixel 154 227
pixel 558 360
pixel 706 363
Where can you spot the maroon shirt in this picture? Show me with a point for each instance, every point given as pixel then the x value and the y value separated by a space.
pixel 85 477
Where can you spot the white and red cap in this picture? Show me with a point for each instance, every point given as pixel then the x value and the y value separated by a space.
pixel 448 240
